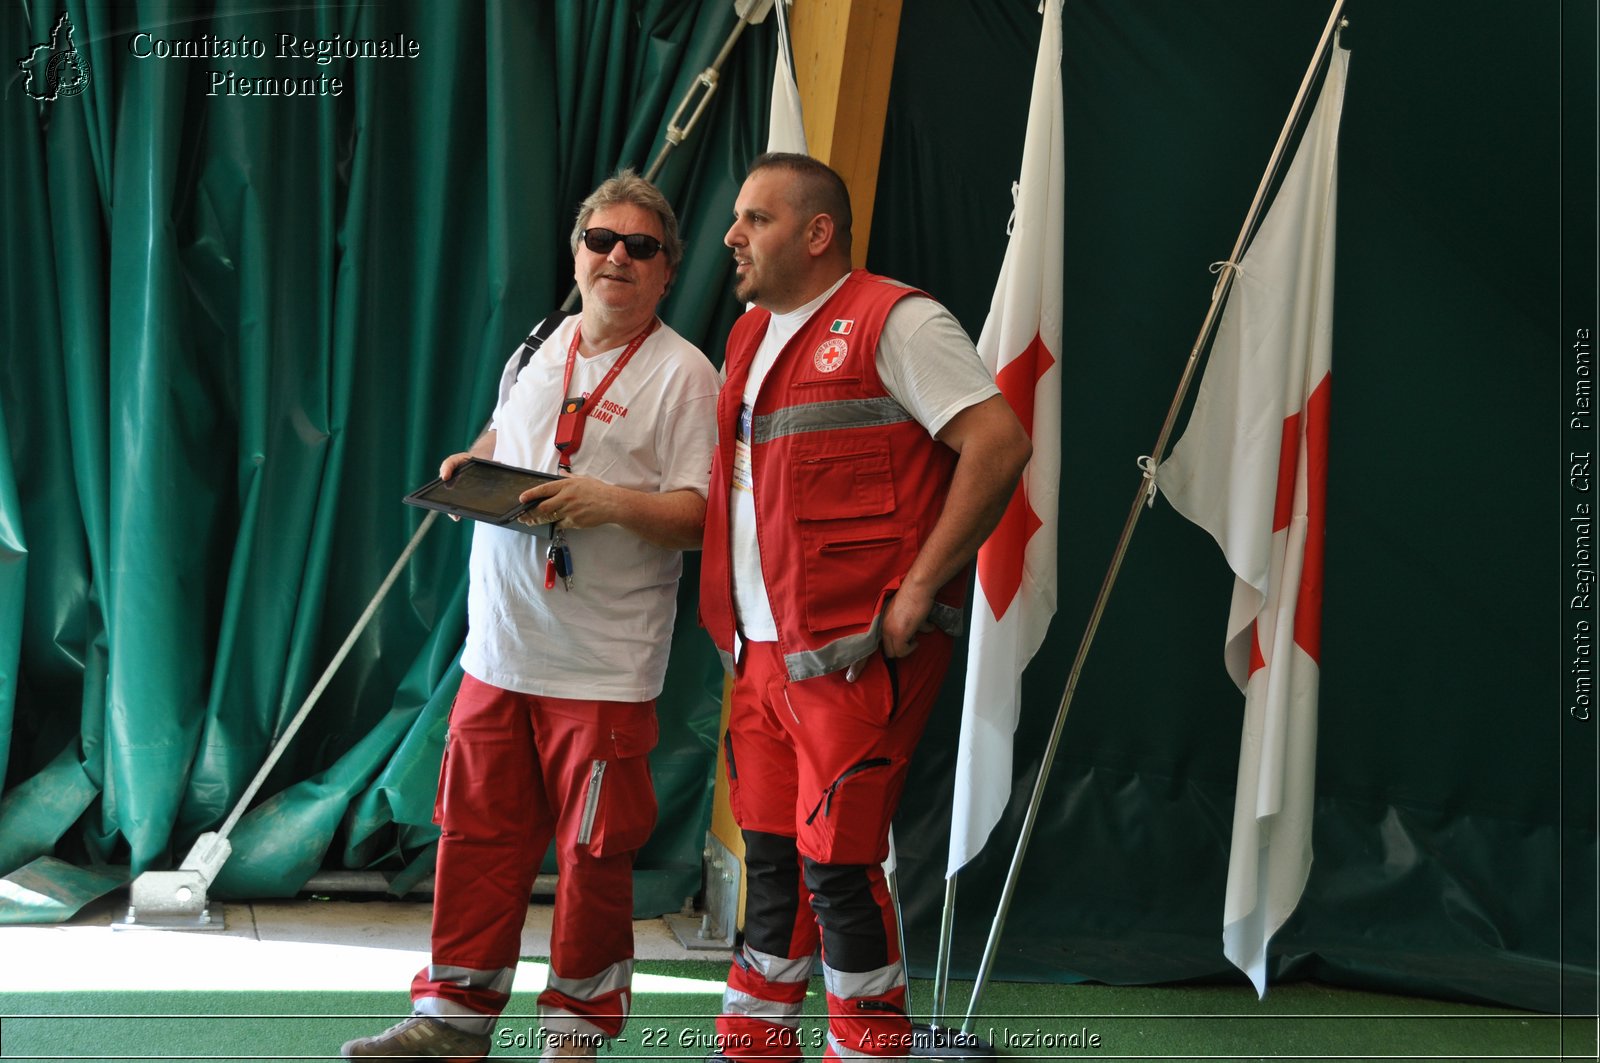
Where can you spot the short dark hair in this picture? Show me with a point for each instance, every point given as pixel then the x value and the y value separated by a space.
pixel 628 187
pixel 818 189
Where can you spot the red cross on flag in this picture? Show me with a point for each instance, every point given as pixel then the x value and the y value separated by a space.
pixel 1252 469
pixel 1021 345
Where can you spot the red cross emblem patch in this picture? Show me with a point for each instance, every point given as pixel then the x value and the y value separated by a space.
pixel 830 355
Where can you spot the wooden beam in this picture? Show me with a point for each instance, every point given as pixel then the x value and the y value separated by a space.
pixel 843 59
pixel 723 826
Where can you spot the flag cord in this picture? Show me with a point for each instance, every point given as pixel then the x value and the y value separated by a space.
pixel 1228 269
pixel 1218 296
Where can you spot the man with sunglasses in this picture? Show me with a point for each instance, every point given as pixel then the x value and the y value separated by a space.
pixel 863 455
pixel 567 649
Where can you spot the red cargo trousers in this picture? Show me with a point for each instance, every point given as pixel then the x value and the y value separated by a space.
pixel 519 770
pixel 815 770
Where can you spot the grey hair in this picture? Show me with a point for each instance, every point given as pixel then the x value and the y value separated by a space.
pixel 628 187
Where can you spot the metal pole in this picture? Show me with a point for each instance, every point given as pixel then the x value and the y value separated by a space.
pixel 891 878
pixel 941 975
pixel 1218 295
pixel 282 741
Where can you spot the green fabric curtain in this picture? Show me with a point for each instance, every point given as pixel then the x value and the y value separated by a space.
pixel 1454 851
pixel 237 330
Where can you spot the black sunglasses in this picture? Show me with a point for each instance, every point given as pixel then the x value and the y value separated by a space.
pixel 638 245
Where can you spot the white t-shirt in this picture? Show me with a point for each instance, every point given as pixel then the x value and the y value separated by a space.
pixel 925 361
pixel 654 430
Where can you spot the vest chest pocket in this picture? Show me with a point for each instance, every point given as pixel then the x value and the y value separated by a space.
pixel 830 483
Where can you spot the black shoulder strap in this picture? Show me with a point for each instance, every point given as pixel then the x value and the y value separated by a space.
pixel 537 337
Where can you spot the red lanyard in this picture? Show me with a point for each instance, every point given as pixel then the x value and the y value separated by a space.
pixel 574 408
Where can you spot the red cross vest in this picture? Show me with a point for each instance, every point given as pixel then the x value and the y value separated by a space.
pixel 847 485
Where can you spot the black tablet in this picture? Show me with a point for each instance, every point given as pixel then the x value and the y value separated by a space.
pixel 482 490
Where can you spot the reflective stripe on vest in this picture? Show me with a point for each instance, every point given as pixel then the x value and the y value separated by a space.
pixel 845 651
pixel 826 416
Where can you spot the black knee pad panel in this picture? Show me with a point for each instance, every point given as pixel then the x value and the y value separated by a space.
pixel 853 937
pixel 772 891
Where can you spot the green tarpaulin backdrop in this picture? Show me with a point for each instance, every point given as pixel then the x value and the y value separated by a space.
pixel 236 330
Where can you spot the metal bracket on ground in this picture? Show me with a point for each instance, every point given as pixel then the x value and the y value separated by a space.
pixel 714 927
pixel 177 900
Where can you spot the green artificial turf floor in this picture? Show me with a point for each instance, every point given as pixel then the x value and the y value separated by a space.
pixel 675 1003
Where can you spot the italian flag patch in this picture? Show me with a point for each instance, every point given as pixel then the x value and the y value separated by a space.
pixel 842 326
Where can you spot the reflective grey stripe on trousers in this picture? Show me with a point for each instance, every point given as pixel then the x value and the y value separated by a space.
pixel 618 976
pixel 460 1016
pixel 735 1002
pixel 773 969
pixel 850 985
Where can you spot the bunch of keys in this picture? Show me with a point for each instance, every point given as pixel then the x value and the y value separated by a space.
pixel 558 561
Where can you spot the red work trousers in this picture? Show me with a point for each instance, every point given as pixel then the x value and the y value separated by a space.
pixel 815 771
pixel 519 770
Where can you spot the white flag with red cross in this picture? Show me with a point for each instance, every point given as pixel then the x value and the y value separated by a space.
pixel 1016 586
pixel 1252 470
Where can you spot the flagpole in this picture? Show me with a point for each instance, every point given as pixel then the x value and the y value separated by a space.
pixel 1145 492
pixel 941 981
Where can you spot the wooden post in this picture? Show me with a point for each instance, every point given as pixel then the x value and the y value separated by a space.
pixel 843 60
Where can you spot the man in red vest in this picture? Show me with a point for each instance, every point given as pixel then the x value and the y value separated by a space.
pixel 864 453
